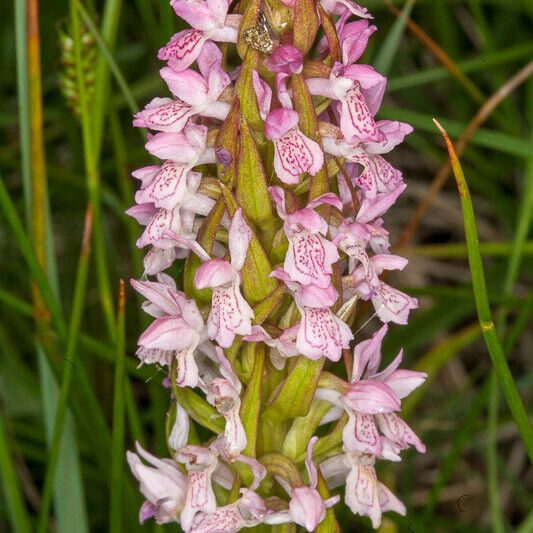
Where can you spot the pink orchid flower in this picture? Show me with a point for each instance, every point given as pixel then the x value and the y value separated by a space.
pixel 248 511
pixel 224 394
pixel 283 346
pixel 200 463
pixel 306 506
pixel 162 484
pixel 209 20
pixel 364 495
pixel 310 256
pixel 295 153
pixel 359 89
pixel 339 7
pixel 377 176
pixel 353 38
pixel 177 331
pixel 196 94
pixel 390 304
pixel 230 314
pixel 320 333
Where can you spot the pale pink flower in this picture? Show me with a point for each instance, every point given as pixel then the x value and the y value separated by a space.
pixel 248 511
pixel 359 89
pixel 364 495
pixel 177 331
pixel 230 313
pixel 282 347
pixel 390 304
pixel 306 507
pixel 162 484
pixel 310 256
pixel 209 20
pixel 224 394
pixel 339 7
pixel 353 38
pixel 200 463
pixel 295 153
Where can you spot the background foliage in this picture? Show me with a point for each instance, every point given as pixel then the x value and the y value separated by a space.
pixel 475 476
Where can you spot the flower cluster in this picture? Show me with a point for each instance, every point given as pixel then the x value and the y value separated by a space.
pixel 291 130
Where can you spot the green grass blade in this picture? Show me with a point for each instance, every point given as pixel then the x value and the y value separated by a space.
pixel 68 494
pixel 492 340
pixel 117 447
pixel 14 501
pixel 68 376
pixel 391 44
pixel 23 103
pixel 108 56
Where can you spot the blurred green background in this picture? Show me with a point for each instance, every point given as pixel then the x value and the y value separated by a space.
pixel 476 475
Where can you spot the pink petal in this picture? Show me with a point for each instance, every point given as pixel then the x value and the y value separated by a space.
pixel 360 434
pixel 316 297
pixel 307 507
pixel 398 432
pixel 367 354
pixel 357 122
pixel 378 176
pixel 394 133
pixel 159 298
pixel 160 223
pixel 213 273
pixel 142 213
pixel 389 502
pixel 146 174
pixel 371 397
pixel 239 237
pixel 310 258
pixel 263 93
pixel 169 333
pixel 295 154
pixel 157 260
pixel 187 85
pixel 403 382
pixel 163 114
pixel 168 188
pixel 372 84
pixel 279 122
pixel 183 49
pixel 230 315
pixel 372 208
pixel 392 305
pixel 322 334
pixel 362 493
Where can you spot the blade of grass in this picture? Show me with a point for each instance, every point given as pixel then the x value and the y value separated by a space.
pixel 108 56
pixel 492 340
pixel 117 449
pixel 14 501
pixel 391 44
pixel 23 103
pixel 67 488
pixel 525 215
pixel 92 125
pixel 68 374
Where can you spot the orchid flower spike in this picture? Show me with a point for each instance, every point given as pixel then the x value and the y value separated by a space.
pixel 272 192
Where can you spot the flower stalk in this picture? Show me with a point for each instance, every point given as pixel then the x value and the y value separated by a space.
pixel 271 187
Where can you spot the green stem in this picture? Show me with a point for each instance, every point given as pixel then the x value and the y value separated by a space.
pixel 90 122
pixel 117 447
pixel 492 340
